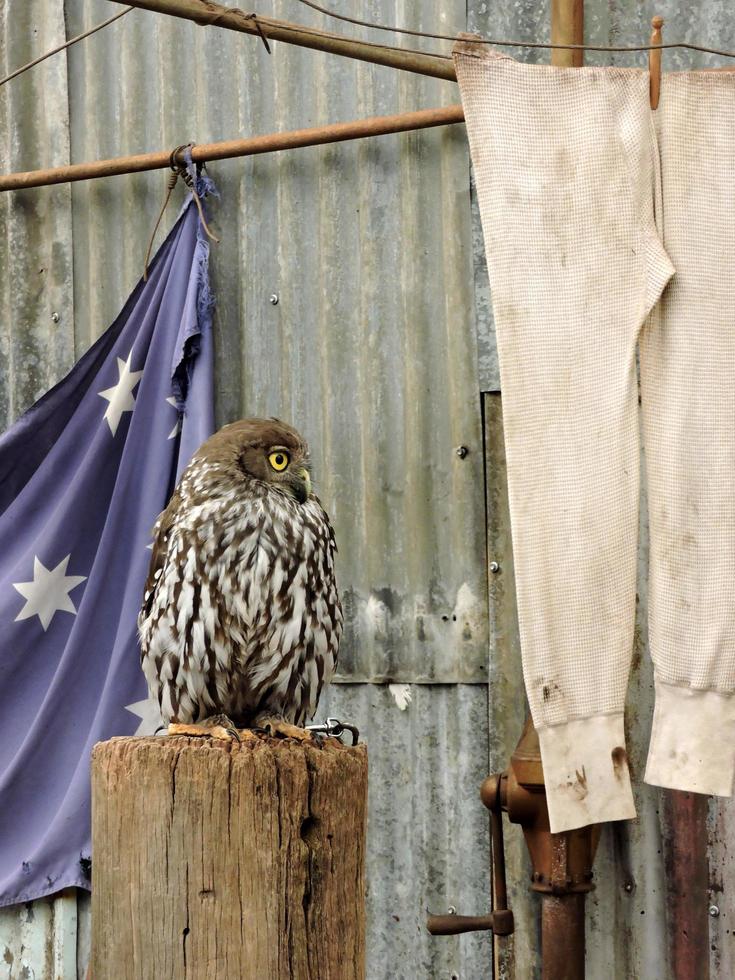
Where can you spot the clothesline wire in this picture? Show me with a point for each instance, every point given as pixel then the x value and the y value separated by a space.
pixel 213 19
pixel 394 30
pixel 504 43
pixel 66 44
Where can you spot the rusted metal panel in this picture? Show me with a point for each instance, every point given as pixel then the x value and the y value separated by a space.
pixel 378 239
pixel 39 940
pixel 687 884
pixel 428 839
pixel 36 308
pixel 649 913
pixel 516 956
pixel 636 925
pixel 370 349
pixel 721 909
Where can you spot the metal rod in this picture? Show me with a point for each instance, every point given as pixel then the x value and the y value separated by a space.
pixel 455 925
pixel 562 936
pixel 567 27
pixel 206 13
pixel 498 860
pixel 562 915
pixel 335 133
pixel 687 885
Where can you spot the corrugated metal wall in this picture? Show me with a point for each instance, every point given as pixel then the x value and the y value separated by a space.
pixel 379 348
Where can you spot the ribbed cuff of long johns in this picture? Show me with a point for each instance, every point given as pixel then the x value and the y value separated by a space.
pixel 586 772
pixel 692 740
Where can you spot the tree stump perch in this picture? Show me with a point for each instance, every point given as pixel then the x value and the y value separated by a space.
pixel 218 861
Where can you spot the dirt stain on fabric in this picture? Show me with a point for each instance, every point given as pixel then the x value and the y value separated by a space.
pixel 578 786
pixel 619 761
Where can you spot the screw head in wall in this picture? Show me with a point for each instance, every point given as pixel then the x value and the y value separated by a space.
pixel 55 317
pixel 714 911
pixel 461 451
pixel 494 567
pixel 273 299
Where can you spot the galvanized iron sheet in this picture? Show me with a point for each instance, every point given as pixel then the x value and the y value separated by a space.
pixel 378 268
pixel 650 914
pixel 370 347
pixel 36 309
pixel 427 830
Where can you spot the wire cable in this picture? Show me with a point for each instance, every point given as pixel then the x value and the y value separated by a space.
pixel 214 17
pixel 66 44
pixel 510 44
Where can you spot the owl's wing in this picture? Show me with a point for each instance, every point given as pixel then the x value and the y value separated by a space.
pixel 159 557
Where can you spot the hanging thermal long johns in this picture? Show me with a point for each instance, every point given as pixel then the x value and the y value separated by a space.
pixel 608 226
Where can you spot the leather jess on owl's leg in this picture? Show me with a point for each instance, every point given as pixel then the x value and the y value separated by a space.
pixel 273 725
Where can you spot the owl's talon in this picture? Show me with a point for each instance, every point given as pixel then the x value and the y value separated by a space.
pixel 217 726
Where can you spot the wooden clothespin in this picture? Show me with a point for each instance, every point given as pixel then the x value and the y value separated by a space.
pixel 654 61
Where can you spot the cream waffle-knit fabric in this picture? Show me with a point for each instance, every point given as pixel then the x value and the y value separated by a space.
pixel 566 169
pixel 688 402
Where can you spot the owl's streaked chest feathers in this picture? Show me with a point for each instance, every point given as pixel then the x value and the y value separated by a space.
pixel 241 614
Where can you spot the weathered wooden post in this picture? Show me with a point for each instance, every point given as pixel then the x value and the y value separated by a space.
pixel 219 861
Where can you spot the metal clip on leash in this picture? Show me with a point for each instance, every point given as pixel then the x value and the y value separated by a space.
pixel 335 728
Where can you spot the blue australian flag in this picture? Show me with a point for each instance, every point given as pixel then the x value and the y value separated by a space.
pixel 83 475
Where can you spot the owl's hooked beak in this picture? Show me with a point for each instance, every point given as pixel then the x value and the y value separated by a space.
pixel 301 483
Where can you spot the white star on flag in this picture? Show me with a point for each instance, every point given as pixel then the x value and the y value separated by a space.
pixel 48 593
pixel 177 428
pixel 120 396
pixel 149 714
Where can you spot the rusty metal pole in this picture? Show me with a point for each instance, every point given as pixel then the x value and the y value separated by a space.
pixel 270 143
pixel 562 863
pixel 205 13
pixel 567 27
pixel 563 946
pixel 562 914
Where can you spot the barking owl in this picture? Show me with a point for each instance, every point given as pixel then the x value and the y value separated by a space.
pixel 241 618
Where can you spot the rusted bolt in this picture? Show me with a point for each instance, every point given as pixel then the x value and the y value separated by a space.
pixel 273 299
pixel 494 567
pixel 55 317
pixel 714 911
pixel 461 451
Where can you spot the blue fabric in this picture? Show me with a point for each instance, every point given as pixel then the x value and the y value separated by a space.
pixel 83 475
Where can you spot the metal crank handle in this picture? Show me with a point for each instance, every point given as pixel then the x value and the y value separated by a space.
pixel 499 922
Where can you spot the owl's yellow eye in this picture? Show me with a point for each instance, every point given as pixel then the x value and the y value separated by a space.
pixel 279 460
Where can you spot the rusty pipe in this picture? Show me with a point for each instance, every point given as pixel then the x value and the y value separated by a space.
pixel 214 14
pixel 499 922
pixel 335 133
pixel 562 936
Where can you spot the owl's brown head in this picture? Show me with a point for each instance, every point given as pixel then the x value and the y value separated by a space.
pixel 267 450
